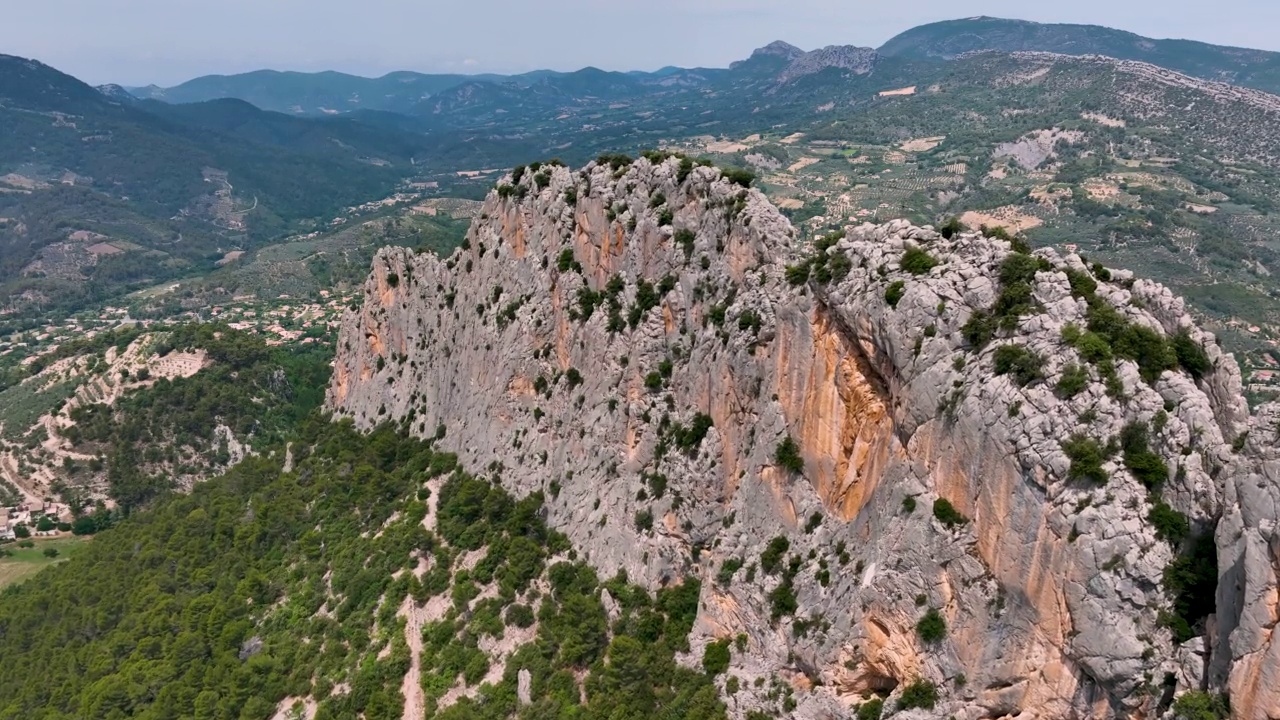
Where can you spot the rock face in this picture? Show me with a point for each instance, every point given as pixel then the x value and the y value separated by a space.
pixel 629 341
pixel 1247 654
pixel 785 62
pixel 856 60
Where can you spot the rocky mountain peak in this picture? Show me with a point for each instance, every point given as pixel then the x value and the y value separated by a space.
pixel 781 49
pixel 775 52
pixel 896 457
pixel 116 92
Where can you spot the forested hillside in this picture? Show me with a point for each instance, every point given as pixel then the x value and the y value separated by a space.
pixel 170 430
pixel 374 558
pixel 123 434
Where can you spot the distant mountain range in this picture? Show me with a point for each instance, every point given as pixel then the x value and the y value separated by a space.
pixel 417 94
pixel 178 176
pixel 420 95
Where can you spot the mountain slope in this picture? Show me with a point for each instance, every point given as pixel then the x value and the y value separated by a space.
pixel 368 576
pixel 174 187
pixel 900 471
pixel 896 460
pixel 321 137
pixel 61 124
pixel 949 39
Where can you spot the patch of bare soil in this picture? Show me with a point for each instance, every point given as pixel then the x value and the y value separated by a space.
pixel 802 163
pixel 103 249
pixel 727 147
pixel 923 144
pixel 230 257
pixel 22 182
pixel 1103 119
pixel 1008 217
pixel 1101 190
pixel 296 708
pixel 1049 195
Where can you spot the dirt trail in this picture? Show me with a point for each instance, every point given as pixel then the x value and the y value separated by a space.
pixel 415 704
pixel 284 711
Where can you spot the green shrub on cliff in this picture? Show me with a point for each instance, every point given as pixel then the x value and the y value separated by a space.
pixel 932 628
pixel 787 456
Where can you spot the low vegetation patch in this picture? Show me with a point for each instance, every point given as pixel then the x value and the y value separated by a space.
pixel 1197 705
pixel 1192 580
pixel 1147 466
pixel 787 456
pixel 1019 362
pixel 771 558
pixel 947 514
pixel 1087 456
pixel 689 438
pixel 1016 298
pixel 715 658
pixel 917 261
pixel 1170 525
pixel 932 628
pixel 821 266
pixel 921 694
pixel 952 227
pixel 894 292
pixel 871 709
pixel 1074 380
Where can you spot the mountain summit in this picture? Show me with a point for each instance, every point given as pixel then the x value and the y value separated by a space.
pixel 777 49
pixel 930 467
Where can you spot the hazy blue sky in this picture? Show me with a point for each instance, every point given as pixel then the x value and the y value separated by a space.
pixel 137 42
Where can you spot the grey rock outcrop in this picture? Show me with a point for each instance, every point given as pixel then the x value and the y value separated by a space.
pixel 628 340
pixel 856 60
pixel 1246 657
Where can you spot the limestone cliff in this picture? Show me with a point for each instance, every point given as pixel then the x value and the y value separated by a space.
pixel 844 441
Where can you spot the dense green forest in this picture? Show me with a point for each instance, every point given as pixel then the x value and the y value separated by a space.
pixel 264 585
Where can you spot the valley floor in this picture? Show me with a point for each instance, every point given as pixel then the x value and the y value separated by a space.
pixel 26 562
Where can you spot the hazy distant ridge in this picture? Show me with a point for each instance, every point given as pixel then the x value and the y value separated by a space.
pixel 411 93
